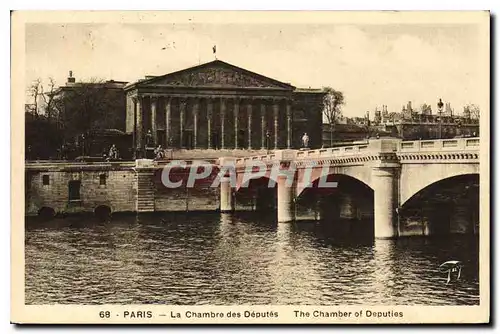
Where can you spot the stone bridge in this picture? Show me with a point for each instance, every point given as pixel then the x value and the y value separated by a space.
pixel 383 180
pixel 394 170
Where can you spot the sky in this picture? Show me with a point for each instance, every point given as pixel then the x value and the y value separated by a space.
pixel 372 65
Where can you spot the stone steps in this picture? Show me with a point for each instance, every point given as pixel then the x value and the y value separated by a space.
pixel 145 201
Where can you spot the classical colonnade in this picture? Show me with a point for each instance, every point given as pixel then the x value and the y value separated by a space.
pixel 243 109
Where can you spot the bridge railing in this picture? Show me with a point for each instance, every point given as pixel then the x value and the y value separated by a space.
pixel 440 145
pixel 61 164
pixel 307 154
pixel 332 151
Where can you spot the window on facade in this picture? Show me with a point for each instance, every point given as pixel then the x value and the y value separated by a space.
pixel 74 190
pixel 102 179
pixel 45 180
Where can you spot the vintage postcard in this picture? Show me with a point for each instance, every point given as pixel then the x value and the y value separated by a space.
pixel 250 167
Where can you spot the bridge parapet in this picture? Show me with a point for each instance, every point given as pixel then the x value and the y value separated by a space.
pixel 380 149
pixel 352 153
pixel 458 150
pixel 440 145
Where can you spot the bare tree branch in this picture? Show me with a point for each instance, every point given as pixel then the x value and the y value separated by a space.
pixel 48 98
pixel 34 91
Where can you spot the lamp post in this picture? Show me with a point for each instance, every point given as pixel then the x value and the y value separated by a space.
pixel 440 109
pixel 83 144
pixel 268 136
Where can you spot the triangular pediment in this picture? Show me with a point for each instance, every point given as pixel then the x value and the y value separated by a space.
pixel 216 74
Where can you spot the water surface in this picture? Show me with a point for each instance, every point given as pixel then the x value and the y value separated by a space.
pixel 226 259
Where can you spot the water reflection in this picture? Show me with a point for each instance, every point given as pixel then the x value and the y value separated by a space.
pixel 238 259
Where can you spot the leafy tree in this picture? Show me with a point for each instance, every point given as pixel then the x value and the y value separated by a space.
pixel 332 108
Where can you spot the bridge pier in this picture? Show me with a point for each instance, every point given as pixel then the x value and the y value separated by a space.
pixel 286 211
pixel 385 204
pixel 226 195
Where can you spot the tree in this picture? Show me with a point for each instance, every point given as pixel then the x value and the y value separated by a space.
pixel 36 91
pixel 332 108
pixel 87 108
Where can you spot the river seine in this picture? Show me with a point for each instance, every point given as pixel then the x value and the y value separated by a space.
pixel 197 259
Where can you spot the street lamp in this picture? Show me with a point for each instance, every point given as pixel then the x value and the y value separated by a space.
pixel 440 109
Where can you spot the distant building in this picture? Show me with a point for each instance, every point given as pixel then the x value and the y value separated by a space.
pixel 407 111
pixel 427 110
pixel 377 119
pixel 466 114
pixel 448 111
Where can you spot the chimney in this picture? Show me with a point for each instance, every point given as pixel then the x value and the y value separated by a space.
pixel 71 79
pixel 409 106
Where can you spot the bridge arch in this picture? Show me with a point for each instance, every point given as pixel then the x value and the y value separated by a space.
pixel 359 173
pixel 259 195
pixel 449 205
pixel 416 177
pixel 351 200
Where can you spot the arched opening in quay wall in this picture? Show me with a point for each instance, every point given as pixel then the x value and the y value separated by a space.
pixel 46 212
pixel 103 212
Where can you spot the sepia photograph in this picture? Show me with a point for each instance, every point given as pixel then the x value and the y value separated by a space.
pixel 335 164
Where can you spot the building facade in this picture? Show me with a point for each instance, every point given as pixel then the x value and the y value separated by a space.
pixel 217 105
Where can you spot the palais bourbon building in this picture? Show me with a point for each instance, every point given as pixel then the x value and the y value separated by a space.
pixel 217 105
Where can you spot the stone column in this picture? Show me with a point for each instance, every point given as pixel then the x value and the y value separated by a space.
pixel 129 117
pixel 285 200
pixel 288 124
pixel 195 122
pixel 209 121
pixel 276 109
pixel 385 204
pixel 226 196
pixel 263 125
pixel 153 120
pixel 182 114
pixel 139 123
pixel 222 121
pixel 134 132
pixel 249 112
pixel 168 122
pixel 236 121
